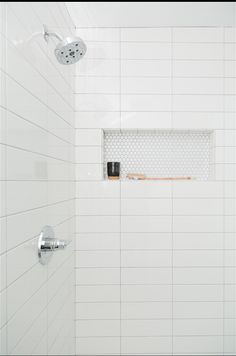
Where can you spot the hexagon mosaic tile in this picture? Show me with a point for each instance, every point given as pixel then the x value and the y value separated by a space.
pixel 160 153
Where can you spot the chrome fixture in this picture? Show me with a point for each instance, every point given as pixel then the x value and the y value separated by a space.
pixel 47 244
pixel 69 50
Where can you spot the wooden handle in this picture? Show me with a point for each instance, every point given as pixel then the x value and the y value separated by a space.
pixel 168 178
pixel 137 176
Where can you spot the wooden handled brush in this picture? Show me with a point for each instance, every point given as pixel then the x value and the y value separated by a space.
pixel 136 176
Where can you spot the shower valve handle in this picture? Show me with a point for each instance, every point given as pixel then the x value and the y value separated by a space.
pixel 47 244
pixel 51 244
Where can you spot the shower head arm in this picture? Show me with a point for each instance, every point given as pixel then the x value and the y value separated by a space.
pixel 47 34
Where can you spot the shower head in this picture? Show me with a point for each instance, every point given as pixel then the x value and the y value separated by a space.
pixel 69 50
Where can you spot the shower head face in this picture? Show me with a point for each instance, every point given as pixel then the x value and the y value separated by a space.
pixel 70 50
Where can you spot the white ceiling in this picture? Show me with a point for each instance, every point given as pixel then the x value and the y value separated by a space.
pixel 152 14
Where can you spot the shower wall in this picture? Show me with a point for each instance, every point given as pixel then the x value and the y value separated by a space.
pixel 155 261
pixel 37 181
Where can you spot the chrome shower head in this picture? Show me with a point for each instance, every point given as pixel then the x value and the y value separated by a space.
pixel 69 50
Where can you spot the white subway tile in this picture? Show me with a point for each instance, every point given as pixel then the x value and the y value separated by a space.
pixel 25 316
pixel 104 189
pixel 147 293
pixel 197 34
pixel 98 224
pixel 98 207
pixel 200 51
pixel 103 50
pixel 85 328
pixel 145 102
pixel 198 103
pixel 18 201
pixel 191 68
pixel 146 207
pixel 145 223
pixel 97 102
pixel 198 224
pixel 17 267
pixel 145 67
pixel 147 85
pixel 198 190
pixel 98 67
pixel 230 68
pixel 230 326
pixel 146 345
pixel 98 85
pixel 145 190
pixel 230 292
pixel 97 120
pixel 33 337
pixel 225 138
pixel 193 310
pixel 98 34
pixel 88 154
pixel 200 258
pixel 93 276
pixel 89 172
pixel 195 327
pixel 150 275
pixel 85 137
pixel 230 88
pixel 229 53
pixel 198 241
pixel 149 241
pixel 87 259
pixel 230 311
pixel 225 155
pixel 132 50
pixel 198 293
pixel 229 103
pixel 97 294
pixel 230 34
pixel 98 310
pixel 146 34
pixel 230 189
pixel 198 86
pixel 225 171
pixel 146 310
pixel 146 258
pixel 230 273
pixel 230 241
pixel 230 258
pixel 145 120
pixel 146 327
pixel 198 206
pixel 198 345
pixel 199 120
pixel 96 241
pixel 98 345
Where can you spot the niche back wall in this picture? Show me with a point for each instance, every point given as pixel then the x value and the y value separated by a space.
pixel 155 266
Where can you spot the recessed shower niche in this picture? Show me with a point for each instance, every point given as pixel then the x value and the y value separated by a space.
pixel 160 153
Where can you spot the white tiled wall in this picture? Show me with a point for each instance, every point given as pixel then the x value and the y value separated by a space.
pixel 155 262
pixel 37 181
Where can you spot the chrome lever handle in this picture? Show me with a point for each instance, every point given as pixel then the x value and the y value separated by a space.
pixel 60 244
pixel 47 244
